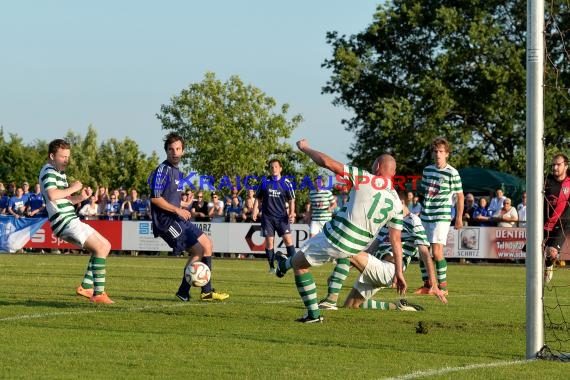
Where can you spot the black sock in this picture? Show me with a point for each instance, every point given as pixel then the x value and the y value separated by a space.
pixel 208 261
pixel 270 253
pixel 184 287
pixel 290 251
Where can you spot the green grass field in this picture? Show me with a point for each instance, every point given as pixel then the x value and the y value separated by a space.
pixel 47 332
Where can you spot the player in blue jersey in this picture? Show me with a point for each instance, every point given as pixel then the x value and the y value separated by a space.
pixel 277 198
pixel 172 222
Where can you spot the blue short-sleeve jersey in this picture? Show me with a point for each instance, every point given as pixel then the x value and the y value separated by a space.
pixel 164 183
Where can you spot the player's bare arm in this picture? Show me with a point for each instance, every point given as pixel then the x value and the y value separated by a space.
pixel 69 193
pixel 320 158
pixel 292 211
pixel 459 211
pixel 165 205
pixel 395 236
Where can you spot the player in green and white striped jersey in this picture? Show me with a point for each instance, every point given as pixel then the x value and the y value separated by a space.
pixel 372 204
pixel 440 182
pixel 60 199
pixel 414 240
pixel 322 204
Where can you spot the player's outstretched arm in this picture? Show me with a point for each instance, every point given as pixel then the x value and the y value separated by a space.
pixel 395 236
pixel 320 158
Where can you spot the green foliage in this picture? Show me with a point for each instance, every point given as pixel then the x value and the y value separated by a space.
pixel 48 332
pixel 232 129
pixel 440 68
pixel 113 164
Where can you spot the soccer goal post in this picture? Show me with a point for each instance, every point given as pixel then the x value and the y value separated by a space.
pixel 534 175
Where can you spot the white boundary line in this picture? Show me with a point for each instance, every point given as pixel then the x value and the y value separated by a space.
pixel 443 371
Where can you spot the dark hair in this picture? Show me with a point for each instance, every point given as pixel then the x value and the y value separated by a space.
pixel 561 155
pixel 274 160
pixel 171 138
pixel 440 141
pixel 56 145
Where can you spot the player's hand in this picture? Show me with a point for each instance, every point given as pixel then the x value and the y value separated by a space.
pixel 302 144
pixel 183 213
pixel 401 285
pixel 458 223
pixel 439 294
pixel 86 192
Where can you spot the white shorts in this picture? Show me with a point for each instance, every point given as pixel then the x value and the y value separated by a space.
pixel 437 232
pixel 318 250
pixel 316 226
pixel 77 232
pixel 378 274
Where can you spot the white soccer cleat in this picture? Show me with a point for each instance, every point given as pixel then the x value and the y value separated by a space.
pixel 403 305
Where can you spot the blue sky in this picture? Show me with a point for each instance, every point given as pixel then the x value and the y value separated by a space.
pixel 67 64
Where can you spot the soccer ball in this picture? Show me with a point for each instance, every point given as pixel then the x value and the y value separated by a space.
pixel 198 274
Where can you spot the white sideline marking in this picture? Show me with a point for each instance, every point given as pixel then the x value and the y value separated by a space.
pixel 111 308
pixel 443 371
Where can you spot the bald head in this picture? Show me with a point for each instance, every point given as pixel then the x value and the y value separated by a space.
pixel 385 165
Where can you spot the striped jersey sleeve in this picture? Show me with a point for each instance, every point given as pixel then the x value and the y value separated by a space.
pixel 439 186
pixel 60 211
pixel 320 205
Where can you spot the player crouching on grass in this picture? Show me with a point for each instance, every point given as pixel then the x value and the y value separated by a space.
pixel 379 266
pixel 172 223
pixel 60 200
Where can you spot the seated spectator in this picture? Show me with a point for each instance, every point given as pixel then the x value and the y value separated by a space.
pixel 416 206
pixel 216 209
pixel 127 209
pixel 90 211
pixel 36 207
pixel 17 205
pixel 521 210
pixel 481 215
pixel 469 209
pixel 200 209
pixel 507 216
pixel 234 213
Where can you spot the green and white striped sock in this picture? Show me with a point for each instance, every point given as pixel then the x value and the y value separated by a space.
pixel 99 273
pixel 87 282
pixel 441 273
pixel 373 304
pixel 339 274
pixel 308 292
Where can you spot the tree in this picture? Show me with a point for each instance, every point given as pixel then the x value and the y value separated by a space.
pixel 440 68
pixel 232 129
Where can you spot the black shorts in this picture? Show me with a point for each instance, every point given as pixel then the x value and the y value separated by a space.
pixel 181 235
pixel 270 225
pixel 554 238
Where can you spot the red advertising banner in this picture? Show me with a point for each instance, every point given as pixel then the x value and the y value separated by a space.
pixel 44 237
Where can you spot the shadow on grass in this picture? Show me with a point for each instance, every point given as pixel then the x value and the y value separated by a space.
pixel 40 303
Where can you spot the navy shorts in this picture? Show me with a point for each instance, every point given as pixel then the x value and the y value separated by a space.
pixel 270 225
pixel 181 235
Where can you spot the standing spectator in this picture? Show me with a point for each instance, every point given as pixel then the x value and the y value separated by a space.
pixel 90 211
pixel 234 212
pixel 440 182
pixel 322 204
pixel 172 223
pixel 507 216
pixel 200 209
pixel 4 200
pixel 189 200
pixel 144 208
pixel 482 216
pixel 521 210
pixel 26 189
pixel 556 211
pixel 36 207
pixel 409 200
pixel 113 208
pixel 497 201
pixel 60 200
pixel 305 217
pixel 248 204
pixel 275 195
pixel 469 209
pixel 136 204
pixel 234 192
pixel 102 199
pixel 216 209
pixel 17 204
pixel 127 210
